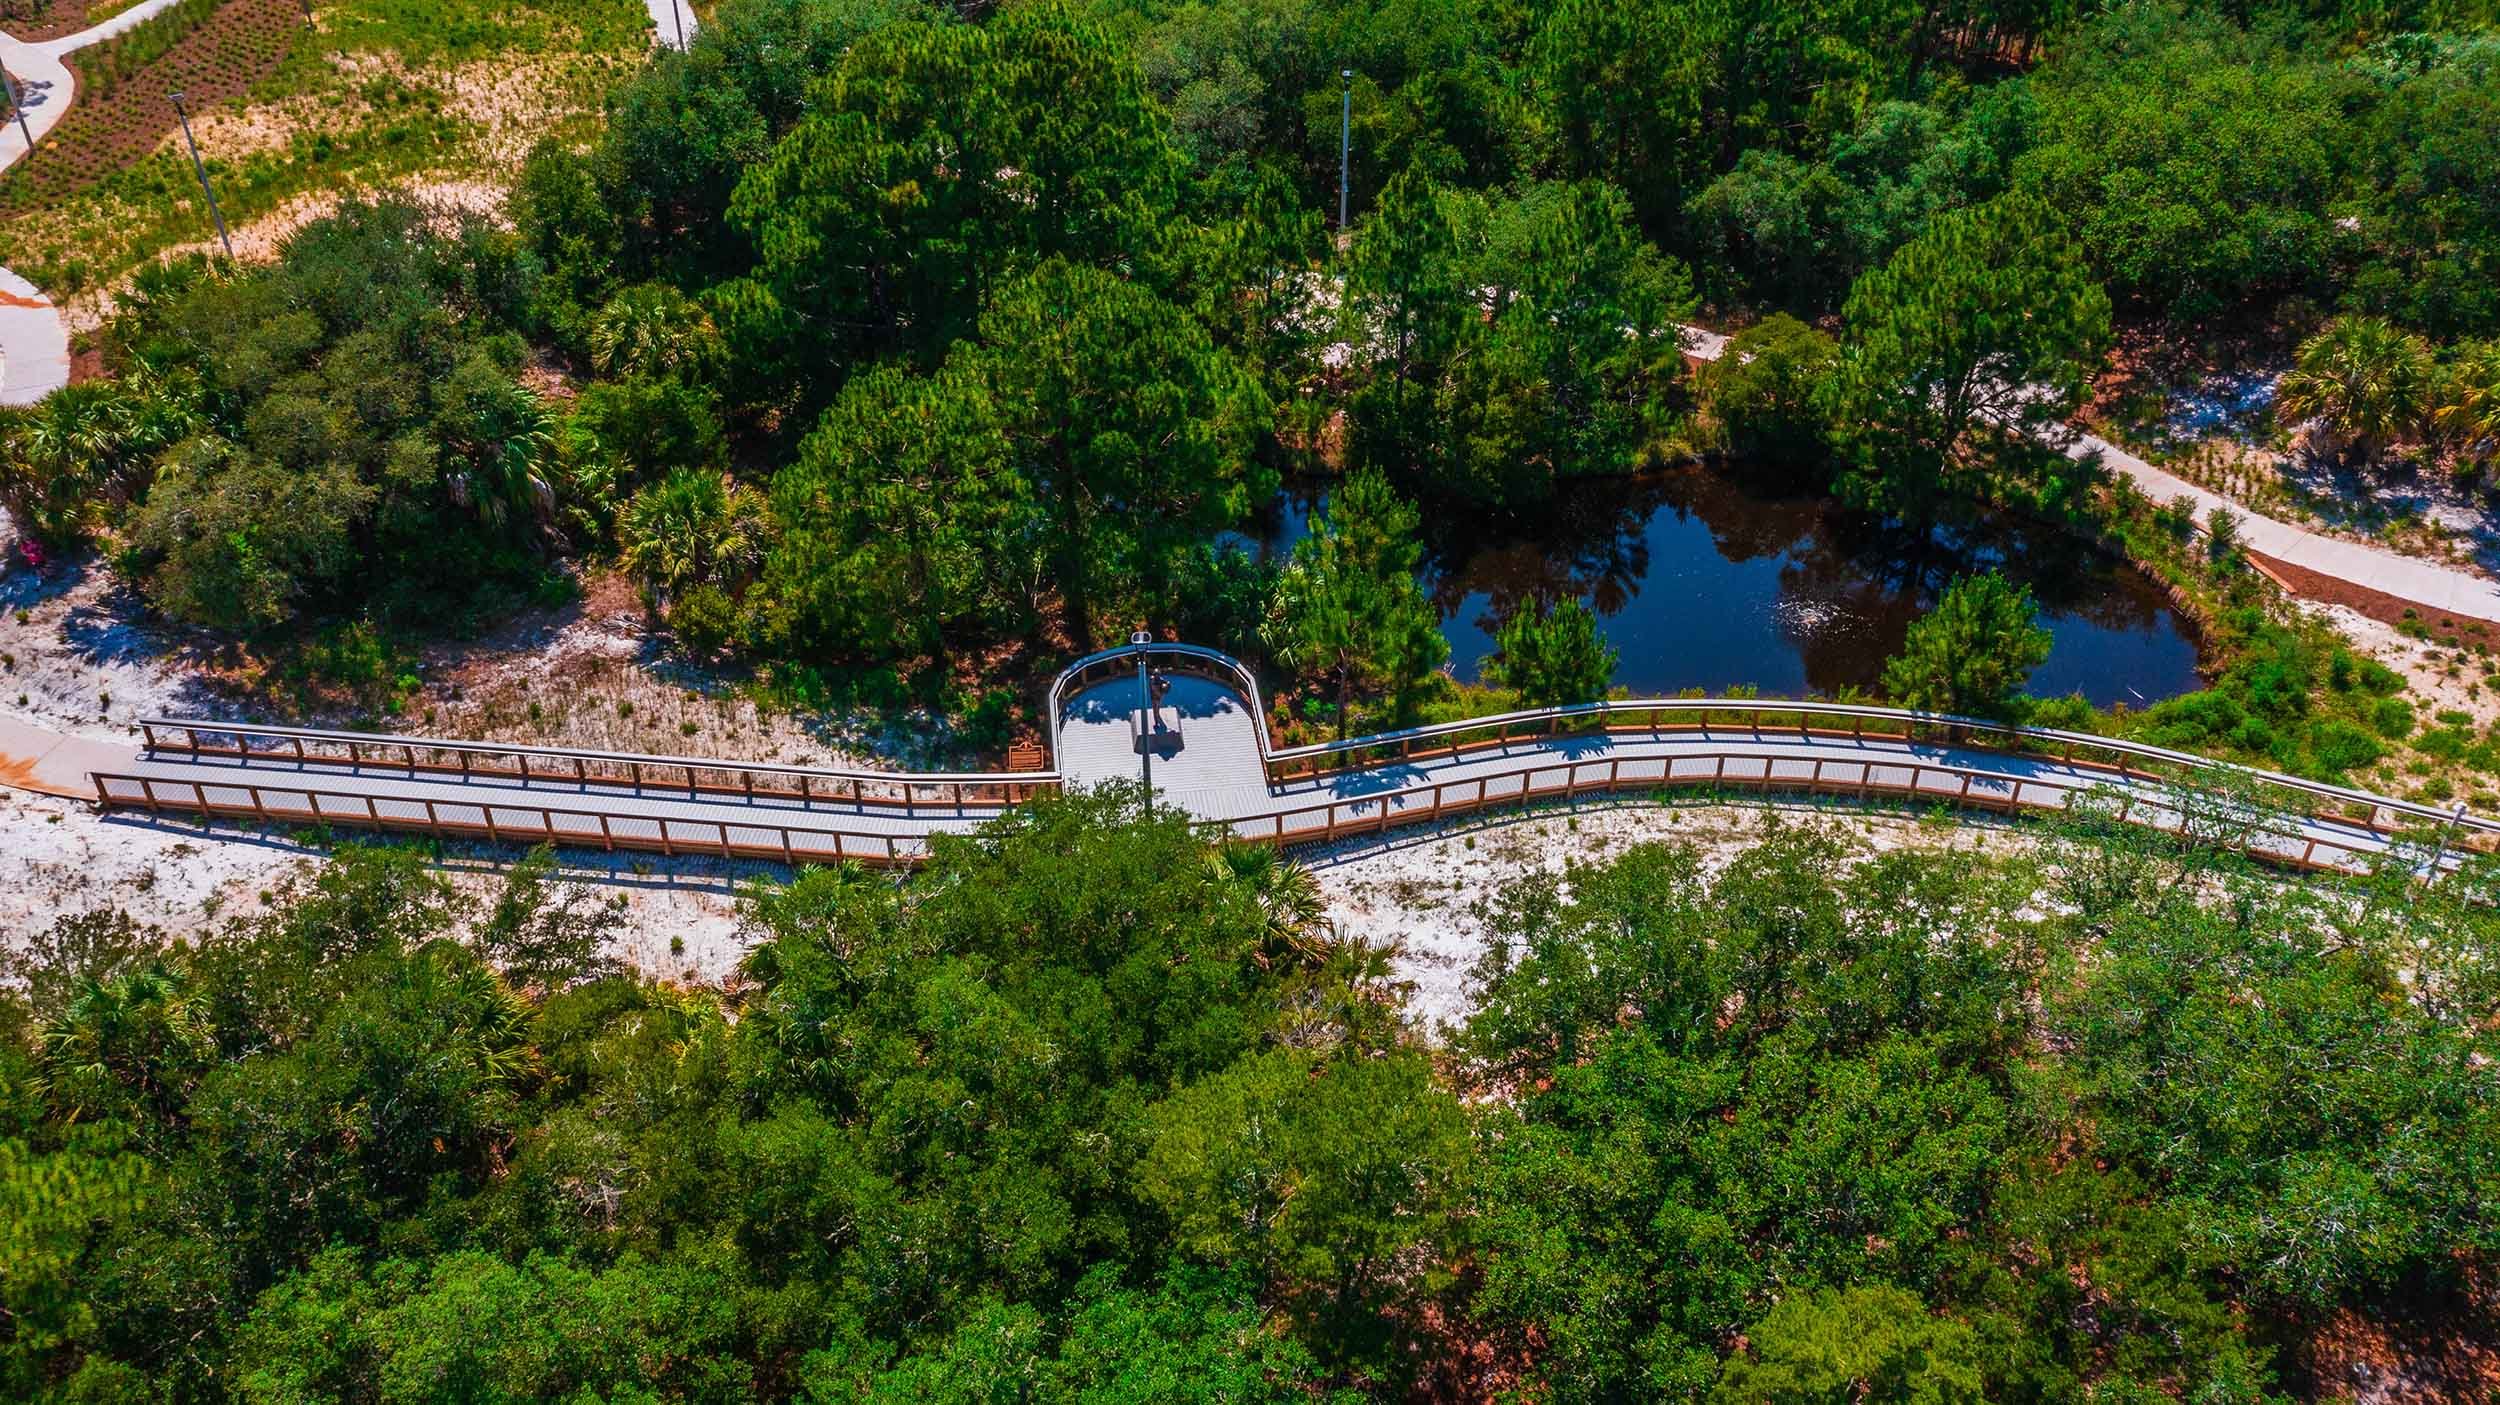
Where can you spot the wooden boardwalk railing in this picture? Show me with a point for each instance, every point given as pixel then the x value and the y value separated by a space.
pixel 693 777
pixel 520 821
pixel 2124 761
pixel 2318 846
pixel 796 815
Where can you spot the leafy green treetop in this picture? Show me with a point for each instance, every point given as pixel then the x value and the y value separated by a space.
pixel 1972 653
pixel 1987 316
pixel 1552 655
pixel 1873 1343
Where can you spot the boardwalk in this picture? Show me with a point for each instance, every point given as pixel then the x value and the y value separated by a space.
pixel 1213 762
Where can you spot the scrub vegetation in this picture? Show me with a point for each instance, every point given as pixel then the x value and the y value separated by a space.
pixel 1090 1111
pixel 372 92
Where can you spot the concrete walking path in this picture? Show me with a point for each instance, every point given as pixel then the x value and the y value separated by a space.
pixel 34 342
pixel 49 763
pixel 669 20
pixel 2437 589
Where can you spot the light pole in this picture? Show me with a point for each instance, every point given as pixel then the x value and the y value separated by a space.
pixel 1345 146
pixel 1145 720
pixel 17 104
pixel 679 16
pixel 201 170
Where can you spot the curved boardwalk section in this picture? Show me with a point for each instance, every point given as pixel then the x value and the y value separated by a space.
pixel 1207 746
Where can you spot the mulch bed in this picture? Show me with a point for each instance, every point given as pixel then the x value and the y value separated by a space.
pixel 2377 604
pixel 241 44
pixel 33 21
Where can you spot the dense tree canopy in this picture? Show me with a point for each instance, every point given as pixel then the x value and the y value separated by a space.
pixel 1090 1111
pixel 831 220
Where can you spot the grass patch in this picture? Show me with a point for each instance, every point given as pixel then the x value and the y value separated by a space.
pixel 384 91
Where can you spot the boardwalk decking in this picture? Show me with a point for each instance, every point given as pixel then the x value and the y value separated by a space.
pixel 1211 761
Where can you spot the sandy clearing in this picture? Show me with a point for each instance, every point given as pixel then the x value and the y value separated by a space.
pixel 1421 894
pixel 60 858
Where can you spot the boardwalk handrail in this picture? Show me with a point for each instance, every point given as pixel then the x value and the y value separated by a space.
pixel 1863 777
pixel 668 835
pixel 418 757
pixel 768 833
pixel 1225 667
pixel 1856 776
pixel 386 741
pixel 1405 739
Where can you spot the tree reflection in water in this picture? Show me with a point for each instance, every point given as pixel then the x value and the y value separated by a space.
pixel 1713 578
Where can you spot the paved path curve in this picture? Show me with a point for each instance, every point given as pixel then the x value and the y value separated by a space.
pixel 2438 589
pixel 34 343
pixel 1208 747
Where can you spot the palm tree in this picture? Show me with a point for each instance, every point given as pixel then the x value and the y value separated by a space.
pixel 504 436
pixel 652 329
pixel 139 1036
pixel 68 455
pixel 2362 381
pixel 2469 400
pixel 691 528
pixel 1293 914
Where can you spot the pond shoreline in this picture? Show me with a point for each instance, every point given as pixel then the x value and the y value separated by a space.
pixel 1717 575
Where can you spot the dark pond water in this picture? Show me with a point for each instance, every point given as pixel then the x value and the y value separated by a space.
pixel 1704 581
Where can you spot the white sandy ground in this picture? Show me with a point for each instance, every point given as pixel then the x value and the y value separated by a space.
pixel 59 858
pixel 1422 893
pixel 1416 893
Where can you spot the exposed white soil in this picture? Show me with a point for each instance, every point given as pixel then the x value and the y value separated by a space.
pixel 80 655
pixel 59 858
pixel 77 655
pixel 2442 678
pixel 1422 894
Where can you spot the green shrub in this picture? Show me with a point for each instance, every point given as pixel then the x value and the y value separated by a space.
pixel 2070 713
pixel 2393 717
pixel 704 619
pixel 2338 746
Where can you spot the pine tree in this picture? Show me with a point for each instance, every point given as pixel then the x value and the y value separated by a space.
pixel 1552 656
pixel 1971 655
pixel 1351 606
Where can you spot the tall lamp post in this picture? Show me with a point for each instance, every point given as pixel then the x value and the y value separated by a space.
pixel 679 15
pixel 201 170
pixel 17 104
pixel 1345 146
pixel 1145 719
